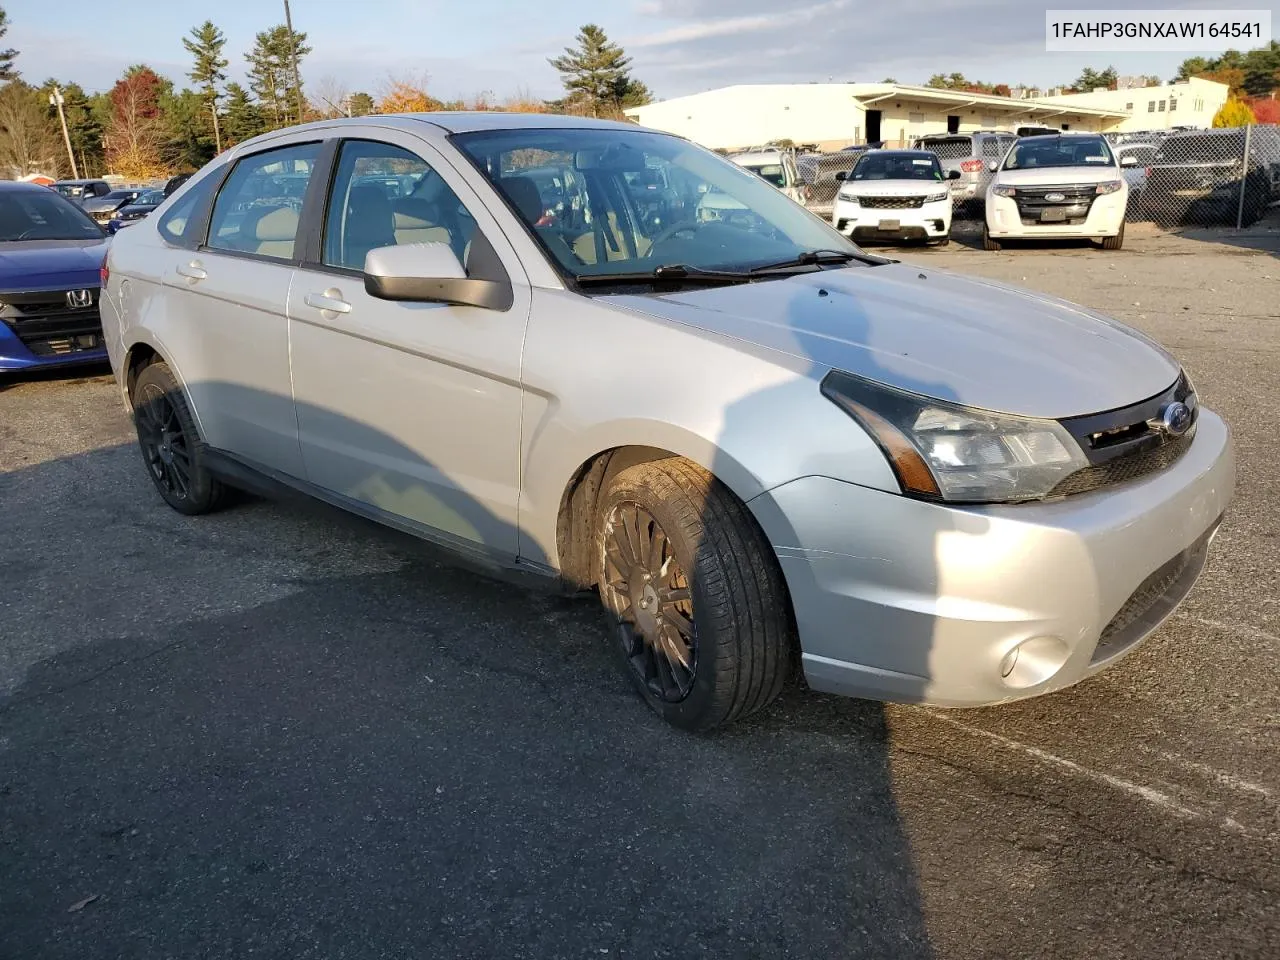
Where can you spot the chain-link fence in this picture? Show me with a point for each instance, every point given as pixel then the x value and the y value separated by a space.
pixel 1203 178
pixel 1221 177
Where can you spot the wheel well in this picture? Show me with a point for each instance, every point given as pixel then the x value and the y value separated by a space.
pixel 574 533
pixel 140 356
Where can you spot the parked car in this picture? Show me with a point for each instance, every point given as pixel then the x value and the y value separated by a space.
pixel 1195 177
pixel 749 439
pixel 777 167
pixel 1134 159
pixel 132 212
pixel 79 191
pixel 895 195
pixel 972 155
pixel 103 209
pixel 51 256
pixel 1064 185
pixel 171 186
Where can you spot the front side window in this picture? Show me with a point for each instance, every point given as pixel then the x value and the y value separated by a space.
pixel 384 196
pixel 1075 151
pixel 897 166
pixel 37 215
pixel 259 205
pixel 712 214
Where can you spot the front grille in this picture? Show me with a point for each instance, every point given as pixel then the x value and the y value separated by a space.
pixel 1122 468
pixel 1077 199
pixel 1154 599
pixel 1121 445
pixel 48 325
pixel 891 203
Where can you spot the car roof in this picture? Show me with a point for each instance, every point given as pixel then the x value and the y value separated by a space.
pixel 762 155
pixel 15 186
pixel 74 183
pixel 922 154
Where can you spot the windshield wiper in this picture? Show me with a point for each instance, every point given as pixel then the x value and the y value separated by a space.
pixel 677 272
pixel 813 258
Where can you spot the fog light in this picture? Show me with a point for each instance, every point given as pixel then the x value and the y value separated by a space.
pixel 1033 661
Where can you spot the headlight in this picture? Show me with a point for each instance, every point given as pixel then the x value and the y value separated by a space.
pixel 1110 186
pixel 942 451
pixel 1000 190
pixel 935 197
pixel 850 197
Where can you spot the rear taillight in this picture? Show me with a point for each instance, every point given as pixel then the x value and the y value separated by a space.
pixel 104 274
pixel 1148 171
pixel 971 166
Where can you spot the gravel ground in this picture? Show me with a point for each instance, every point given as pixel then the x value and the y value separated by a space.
pixel 284 732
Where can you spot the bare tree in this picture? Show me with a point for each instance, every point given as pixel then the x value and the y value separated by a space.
pixel 28 143
pixel 330 97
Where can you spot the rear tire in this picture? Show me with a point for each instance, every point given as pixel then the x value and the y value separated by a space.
pixel 170 446
pixel 698 609
pixel 1116 242
pixel 989 242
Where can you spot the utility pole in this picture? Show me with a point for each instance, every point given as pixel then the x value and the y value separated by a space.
pixel 57 100
pixel 293 58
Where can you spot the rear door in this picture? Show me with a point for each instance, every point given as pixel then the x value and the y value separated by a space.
pixel 410 409
pixel 231 291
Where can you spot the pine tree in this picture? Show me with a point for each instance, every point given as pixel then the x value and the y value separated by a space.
pixel 7 69
pixel 361 104
pixel 271 71
pixel 205 46
pixel 244 118
pixel 594 73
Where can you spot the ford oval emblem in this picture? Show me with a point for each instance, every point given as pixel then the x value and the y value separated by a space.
pixel 1055 197
pixel 1174 419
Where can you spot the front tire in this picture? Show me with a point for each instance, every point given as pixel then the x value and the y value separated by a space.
pixel 1116 242
pixel 989 242
pixel 696 603
pixel 169 442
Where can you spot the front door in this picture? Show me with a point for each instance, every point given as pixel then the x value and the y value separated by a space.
pixel 411 409
pixel 232 290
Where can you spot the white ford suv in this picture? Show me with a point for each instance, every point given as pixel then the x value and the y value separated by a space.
pixel 1065 185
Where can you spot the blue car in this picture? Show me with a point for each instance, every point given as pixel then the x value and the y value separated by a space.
pixel 51 255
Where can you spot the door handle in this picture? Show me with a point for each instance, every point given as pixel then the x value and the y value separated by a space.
pixel 192 271
pixel 329 302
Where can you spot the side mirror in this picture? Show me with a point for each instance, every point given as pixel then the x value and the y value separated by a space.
pixel 1128 160
pixel 432 273
pixel 993 166
pixel 953 174
pixel 842 175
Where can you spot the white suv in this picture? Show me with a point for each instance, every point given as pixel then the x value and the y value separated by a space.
pixel 895 195
pixel 1065 185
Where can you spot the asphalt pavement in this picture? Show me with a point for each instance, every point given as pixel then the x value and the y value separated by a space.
pixel 281 732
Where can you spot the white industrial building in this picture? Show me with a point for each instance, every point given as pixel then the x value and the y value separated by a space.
pixel 834 115
pixel 1190 103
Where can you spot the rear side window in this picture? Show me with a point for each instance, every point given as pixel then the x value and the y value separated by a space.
pixel 948 148
pixel 991 148
pixel 260 204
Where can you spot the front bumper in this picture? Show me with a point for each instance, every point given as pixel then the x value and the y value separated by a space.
pixel 48 342
pixel 900 600
pixel 929 221
pixel 1105 219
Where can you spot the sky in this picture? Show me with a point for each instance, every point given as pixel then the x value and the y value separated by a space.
pixel 677 46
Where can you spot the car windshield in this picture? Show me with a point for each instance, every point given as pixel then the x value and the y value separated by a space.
pixel 152 198
pixel 771 172
pixel 897 166
pixel 1037 152
pixel 949 148
pixel 121 195
pixel 36 215
pixel 711 215
pixel 71 190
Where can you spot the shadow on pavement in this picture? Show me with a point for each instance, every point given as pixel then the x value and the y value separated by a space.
pixel 409 762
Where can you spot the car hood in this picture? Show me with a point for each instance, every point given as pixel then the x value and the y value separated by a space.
pixel 99 204
pixel 892 188
pixel 942 335
pixel 1050 175
pixel 40 264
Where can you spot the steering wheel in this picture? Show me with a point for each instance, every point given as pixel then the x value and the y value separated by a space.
pixel 684 226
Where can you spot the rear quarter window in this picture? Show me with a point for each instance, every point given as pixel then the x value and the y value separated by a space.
pixel 948 148
pixel 178 225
